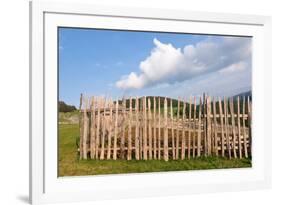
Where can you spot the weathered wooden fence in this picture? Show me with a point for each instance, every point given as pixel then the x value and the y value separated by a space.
pixel 163 128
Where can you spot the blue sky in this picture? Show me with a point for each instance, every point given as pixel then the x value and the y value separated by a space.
pixel 117 63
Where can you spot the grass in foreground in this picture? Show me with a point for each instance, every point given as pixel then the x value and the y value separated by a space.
pixel 69 165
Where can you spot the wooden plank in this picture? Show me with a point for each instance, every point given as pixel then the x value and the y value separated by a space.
pixel 92 129
pixel 103 130
pixel 144 130
pixel 215 127
pixel 137 139
pixel 205 125
pixel 227 126
pixel 178 131
pixel 194 128
pixel 109 130
pixel 166 154
pixel 239 127
pixel 209 124
pixel 85 128
pixel 81 127
pixel 189 130
pixel 98 130
pixel 159 128
pixel 172 128
pixel 222 128
pixel 199 130
pixel 129 153
pixel 141 127
pixel 149 130
pixel 183 132
pixel 244 128
pixel 154 129
pixel 123 127
pixel 250 123
pixel 115 131
pixel 233 127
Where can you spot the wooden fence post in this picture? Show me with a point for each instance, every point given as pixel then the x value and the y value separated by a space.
pixel 194 128
pixel 222 128
pixel 209 124
pixel 215 126
pixel 233 127
pixel 172 128
pixel 244 129
pixel 149 130
pixel 103 130
pixel 239 128
pixel 159 129
pixel 145 130
pixel 115 130
pixel 189 128
pixel 129 153
pixel 183 131
pixel 227 126
pixel 122 141
pixel 137 139
pixel 178 121
pixel 250 122
pixel 109 130
pixel 98 129
pixel 199 130
pixel 92 132
pixel 166 155
pixel 85 134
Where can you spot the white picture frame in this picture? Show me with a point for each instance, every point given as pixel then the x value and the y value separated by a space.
pixel 45 186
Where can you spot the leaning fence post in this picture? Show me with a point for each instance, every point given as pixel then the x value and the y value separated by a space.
pixel 92 132
pixel 183 131
pixel 85 133
pixel 137 139
pixel 149 130
pixel 115 131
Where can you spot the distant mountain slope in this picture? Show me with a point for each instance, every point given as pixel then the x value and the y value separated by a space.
pixel 246 94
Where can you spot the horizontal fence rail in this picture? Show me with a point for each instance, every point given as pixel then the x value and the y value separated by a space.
pixel 148 128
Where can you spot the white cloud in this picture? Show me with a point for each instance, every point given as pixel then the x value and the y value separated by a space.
pixel 167 64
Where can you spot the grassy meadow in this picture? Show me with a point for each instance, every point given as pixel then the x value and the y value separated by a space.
pixel 70 165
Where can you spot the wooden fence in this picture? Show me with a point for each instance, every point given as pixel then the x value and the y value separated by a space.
pixel 162 128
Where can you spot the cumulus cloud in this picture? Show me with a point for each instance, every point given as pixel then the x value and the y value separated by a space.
pixel 167 64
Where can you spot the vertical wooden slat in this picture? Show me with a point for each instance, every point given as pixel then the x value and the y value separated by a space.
pixel 159 129
pixel 215 127
pixel 178 130
pixel 85 128
pixel 122 141
pixel 199 130
pixel 137 139
pixel 129 153
pixel 172 129
pixel 115 131
pixel 227 126
pixel 183 131
pixel 144 130
pixel 222 127
pixel 103 130
pixel 166 155
pixel 109 130
pixel 205 125
pixel 250 123
pixel 98 130
pixel 209 124
pixel 81 127
pixel 141 127
pixel 233 127
pixel 189 128
pixel 244 128
pixel 154 129
pixel 149 130
pixel 239 128
pixel 194 128
pixel 92 132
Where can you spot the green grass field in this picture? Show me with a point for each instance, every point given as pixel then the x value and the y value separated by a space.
pixel 70 165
